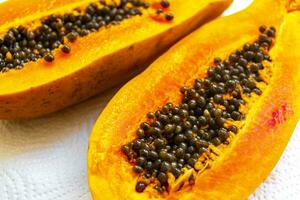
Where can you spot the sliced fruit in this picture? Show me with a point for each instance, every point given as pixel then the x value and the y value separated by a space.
pixel 210 118
pixel 58 53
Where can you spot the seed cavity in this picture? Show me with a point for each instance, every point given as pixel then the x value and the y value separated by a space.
pixel 177 142
pixel 21 45
pixel 163 11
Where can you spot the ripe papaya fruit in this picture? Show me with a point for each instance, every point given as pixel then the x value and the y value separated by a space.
pixel 58 53
pixel 210 118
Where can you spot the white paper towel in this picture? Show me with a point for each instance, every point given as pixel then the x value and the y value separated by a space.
pixel 45 158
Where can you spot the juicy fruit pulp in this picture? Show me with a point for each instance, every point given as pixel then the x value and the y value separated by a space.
pixel 177 142
pixel 101 59
pixel 21 45
pixel 236 169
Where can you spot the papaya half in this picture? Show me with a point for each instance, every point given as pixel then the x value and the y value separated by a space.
pixel 58 53
pixel 210 118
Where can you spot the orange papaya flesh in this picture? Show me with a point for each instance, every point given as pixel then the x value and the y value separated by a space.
pixel 23 44
pixel 232 169
pixel 100 59
pixel 177 142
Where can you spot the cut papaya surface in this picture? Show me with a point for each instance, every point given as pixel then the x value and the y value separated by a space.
pixel 58 53
pixel 210 118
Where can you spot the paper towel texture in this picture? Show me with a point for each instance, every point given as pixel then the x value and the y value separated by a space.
pixel 45 158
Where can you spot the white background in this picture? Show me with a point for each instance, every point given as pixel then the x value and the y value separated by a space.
pixel 45 158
